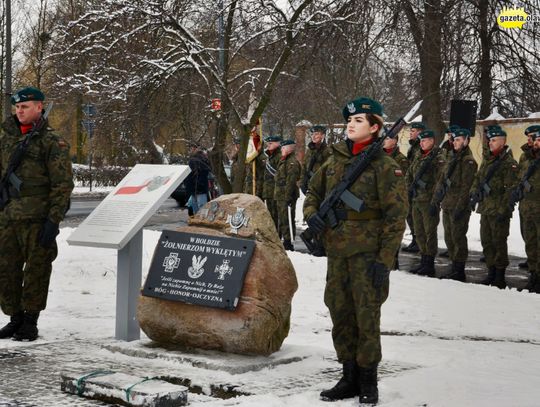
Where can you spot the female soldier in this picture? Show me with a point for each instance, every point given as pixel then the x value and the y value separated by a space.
pixel 360 249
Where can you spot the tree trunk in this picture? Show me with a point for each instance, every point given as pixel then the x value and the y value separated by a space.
pixel 486 81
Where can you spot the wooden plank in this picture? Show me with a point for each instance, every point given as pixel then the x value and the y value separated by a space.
pixel 120 388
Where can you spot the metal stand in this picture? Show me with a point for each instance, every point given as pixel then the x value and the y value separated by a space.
pixel 128 285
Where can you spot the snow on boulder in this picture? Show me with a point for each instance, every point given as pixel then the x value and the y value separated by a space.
pixel 260 322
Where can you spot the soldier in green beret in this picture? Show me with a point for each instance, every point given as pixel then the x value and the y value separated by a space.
pixel 456 181
pixel 316 155
pixel 286 192
pixel 361 248
pixel 529 206
pixel 31 214
pixel 422 178
pixel 414 150
pixel 272 155
pixel 492 196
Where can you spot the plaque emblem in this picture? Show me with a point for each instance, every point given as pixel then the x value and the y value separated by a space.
pixel 223 268
pixel 171 262
pixel 196 269
pixel 237 220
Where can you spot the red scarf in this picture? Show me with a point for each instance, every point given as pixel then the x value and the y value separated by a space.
pixel 25 128
pixel 389 151
pixel 425 153
pixel 496 153
pixel 360 146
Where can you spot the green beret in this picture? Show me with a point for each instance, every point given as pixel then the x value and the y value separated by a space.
pixel 418 125
pixel 27 94
pixel 320 129
pixel 532 129
pixel 452 129
pixel 535 135
pixel 462 133
pixel 287 142
pixel 492 127
pixel 362 105
pixel 268 139
pixel 426 134
pixel 496 133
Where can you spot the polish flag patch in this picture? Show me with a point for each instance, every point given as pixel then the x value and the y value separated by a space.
pixel 398 173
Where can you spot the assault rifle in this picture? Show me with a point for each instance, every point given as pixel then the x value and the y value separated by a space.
pixel 524 186
pixel 484 189
pixel 440 193
pixel 10 184
pixel 341 190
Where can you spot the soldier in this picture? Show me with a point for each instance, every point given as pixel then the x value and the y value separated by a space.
pixel 197 180
pixel 491 188
pixel 272 157
pixel 422 178
pixel 286 192
pixel 455 185
pixel 361 249
pixel 316 155
pixel 29 221
pixel 529 206
pixel 527 154
pixel 412 153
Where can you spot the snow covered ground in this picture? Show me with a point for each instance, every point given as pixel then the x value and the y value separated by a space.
pixel 457 344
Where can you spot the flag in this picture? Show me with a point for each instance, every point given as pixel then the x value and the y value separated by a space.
pixel 255 142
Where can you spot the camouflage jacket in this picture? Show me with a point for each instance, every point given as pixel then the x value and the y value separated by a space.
pixel 259 176
pixel 529 206
pixel 414 150
pixel 430 177
pixel 457 195
pixel 501 184
pixel 382 187
pixel 527 153
pixel 287 176
pixel 315 157
pixel 271 162
pixel 45 172
pixel 400 159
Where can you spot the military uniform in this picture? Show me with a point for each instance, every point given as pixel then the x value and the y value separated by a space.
pixel 361 249
pixel 398 157
pixel 286 193
pixel 425 223
pixel 529 212
pixel 455 207
pixel 45 170
pixel 413 152
pixel 315 156
pixel 271 162
pixel 495 213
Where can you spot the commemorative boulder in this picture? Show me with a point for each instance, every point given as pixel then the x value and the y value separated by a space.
pixel 259 321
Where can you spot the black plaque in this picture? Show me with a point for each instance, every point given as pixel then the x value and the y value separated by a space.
pixel 199 269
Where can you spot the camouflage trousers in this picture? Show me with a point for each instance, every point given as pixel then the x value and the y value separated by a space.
pixel 410 220
pixel 25 268
pixel 425 227
pixel 355 309
pixel 531 235
pixel 271 205
pixel 455 235
pixel 283 219
pixel 493 236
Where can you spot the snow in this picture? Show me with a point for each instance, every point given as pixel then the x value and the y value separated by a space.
pixel 535 115
pixel 495 115
pixel 445 343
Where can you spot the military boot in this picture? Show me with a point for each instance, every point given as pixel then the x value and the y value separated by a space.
pixel 416 268
pixel 15 322
pixel 490 278
pixel 458 272
pixel 367 385
pixel 500 282
pixel 412 247
pixel 28 330
pixel 346 387
pixel 531 284
pixel 428 269
pixel 287 244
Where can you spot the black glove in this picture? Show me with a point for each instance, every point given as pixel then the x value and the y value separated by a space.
pixel 303 188
pixel 458 214
pixel 316 223
pixel 433 210
pixel 379 275
pixel 47 234
pixel 517 195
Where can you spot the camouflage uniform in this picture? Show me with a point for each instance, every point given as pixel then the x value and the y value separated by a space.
pixel 529 212
pixel 413 152
pixel 286 193
pixel 425 225
pixel 495 214
pixel 400 159
pixel 25 266
pixel 525 156
pixel 315 157
pixel 359 240
pixel 455 205
pixel 271 163
pixel 259 175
